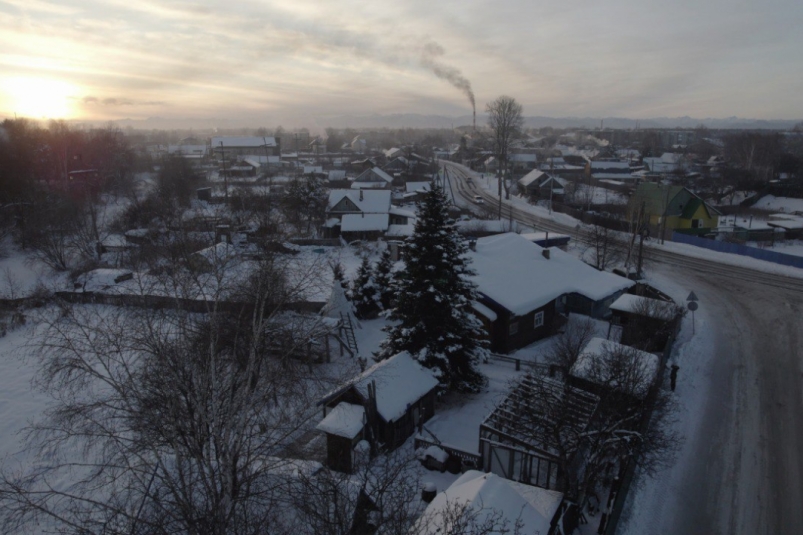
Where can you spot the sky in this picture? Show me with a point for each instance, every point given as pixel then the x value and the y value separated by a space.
pixel 297 62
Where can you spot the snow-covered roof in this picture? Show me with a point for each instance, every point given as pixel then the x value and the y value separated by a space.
pixel 218 253
pixel 648 364
pixel 513 272
pixel 484 310
pixel 533 176
pixel 625 166
pixel 364 222
pixel 367 202
pixel 523 157
pixel 375 174
pixel 337 174
pixel 400 381
pixel 400 231
pixel 189 150
pixel 345 420
pixel 115 240
pixel 258 161
pixel 368 185
pixel 489 494
pixel 99 280
pixel 401 212
pixel 243 142
pixel 637 304
pixel 615 176
pixel 414 187
pixel 787 224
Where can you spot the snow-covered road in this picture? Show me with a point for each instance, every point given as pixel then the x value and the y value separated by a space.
pixel 740 470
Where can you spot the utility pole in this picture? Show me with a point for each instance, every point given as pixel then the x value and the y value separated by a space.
pixel 643 233
pixel 225 174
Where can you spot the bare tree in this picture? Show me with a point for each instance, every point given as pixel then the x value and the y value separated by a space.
pixel 505 120
pixel 606 245
pixel 570 343
pixel 164 422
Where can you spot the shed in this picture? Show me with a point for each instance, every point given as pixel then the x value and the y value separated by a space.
pixel 638 368
pixel 645 322
pixel 397 395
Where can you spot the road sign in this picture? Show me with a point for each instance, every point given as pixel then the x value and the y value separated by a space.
pixel 692 297
pixel 693 306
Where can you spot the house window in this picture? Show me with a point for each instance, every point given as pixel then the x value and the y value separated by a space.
pixel 513 328
pixel 539 319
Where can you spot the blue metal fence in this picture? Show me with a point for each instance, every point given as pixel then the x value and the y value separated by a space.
pixel 744 250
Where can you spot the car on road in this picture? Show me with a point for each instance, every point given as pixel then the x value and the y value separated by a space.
pixel 478 200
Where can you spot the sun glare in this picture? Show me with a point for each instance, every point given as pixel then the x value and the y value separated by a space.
pixel 38 98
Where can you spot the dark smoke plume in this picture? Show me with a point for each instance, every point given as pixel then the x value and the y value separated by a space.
pixel 429 55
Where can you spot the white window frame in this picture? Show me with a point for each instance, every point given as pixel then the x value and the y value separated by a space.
pixel 538 319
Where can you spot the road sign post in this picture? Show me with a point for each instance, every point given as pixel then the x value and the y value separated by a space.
pixel 692 299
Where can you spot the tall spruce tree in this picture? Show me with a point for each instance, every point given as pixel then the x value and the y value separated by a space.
pixel 383 276
pixel 433 301
pixel 364 292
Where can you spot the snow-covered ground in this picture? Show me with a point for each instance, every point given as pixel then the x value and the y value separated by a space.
pixel 780 204
pixel 792 247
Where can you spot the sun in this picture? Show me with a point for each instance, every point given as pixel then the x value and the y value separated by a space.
pixel 38 98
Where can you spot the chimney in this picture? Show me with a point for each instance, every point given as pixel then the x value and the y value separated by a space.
pixel 360 193
pixel 545 252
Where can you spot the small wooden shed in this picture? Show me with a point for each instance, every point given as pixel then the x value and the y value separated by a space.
pixel 396 395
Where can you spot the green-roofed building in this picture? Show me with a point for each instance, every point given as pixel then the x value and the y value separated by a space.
pixel 681 208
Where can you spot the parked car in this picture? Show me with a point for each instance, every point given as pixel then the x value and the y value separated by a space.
pixel 478 200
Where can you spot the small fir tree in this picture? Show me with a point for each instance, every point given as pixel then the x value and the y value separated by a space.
pixel 433 301
pixel 364 292
pixel 383 276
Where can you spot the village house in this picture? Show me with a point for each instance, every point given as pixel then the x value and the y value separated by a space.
pixel 362 214
pixel 542 185
pixel 383 405
pixel 674 207
pixel 373 178
pixel 230 147
pixel 523 161
pixel 611 170
pixel 524 288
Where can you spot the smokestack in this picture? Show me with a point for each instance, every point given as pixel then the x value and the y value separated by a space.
pixel 475 119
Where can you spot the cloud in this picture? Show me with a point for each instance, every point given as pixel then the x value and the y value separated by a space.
pixel 116 101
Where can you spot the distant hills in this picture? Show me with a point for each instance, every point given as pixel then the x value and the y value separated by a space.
pixel 440 121
pixel 412 120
